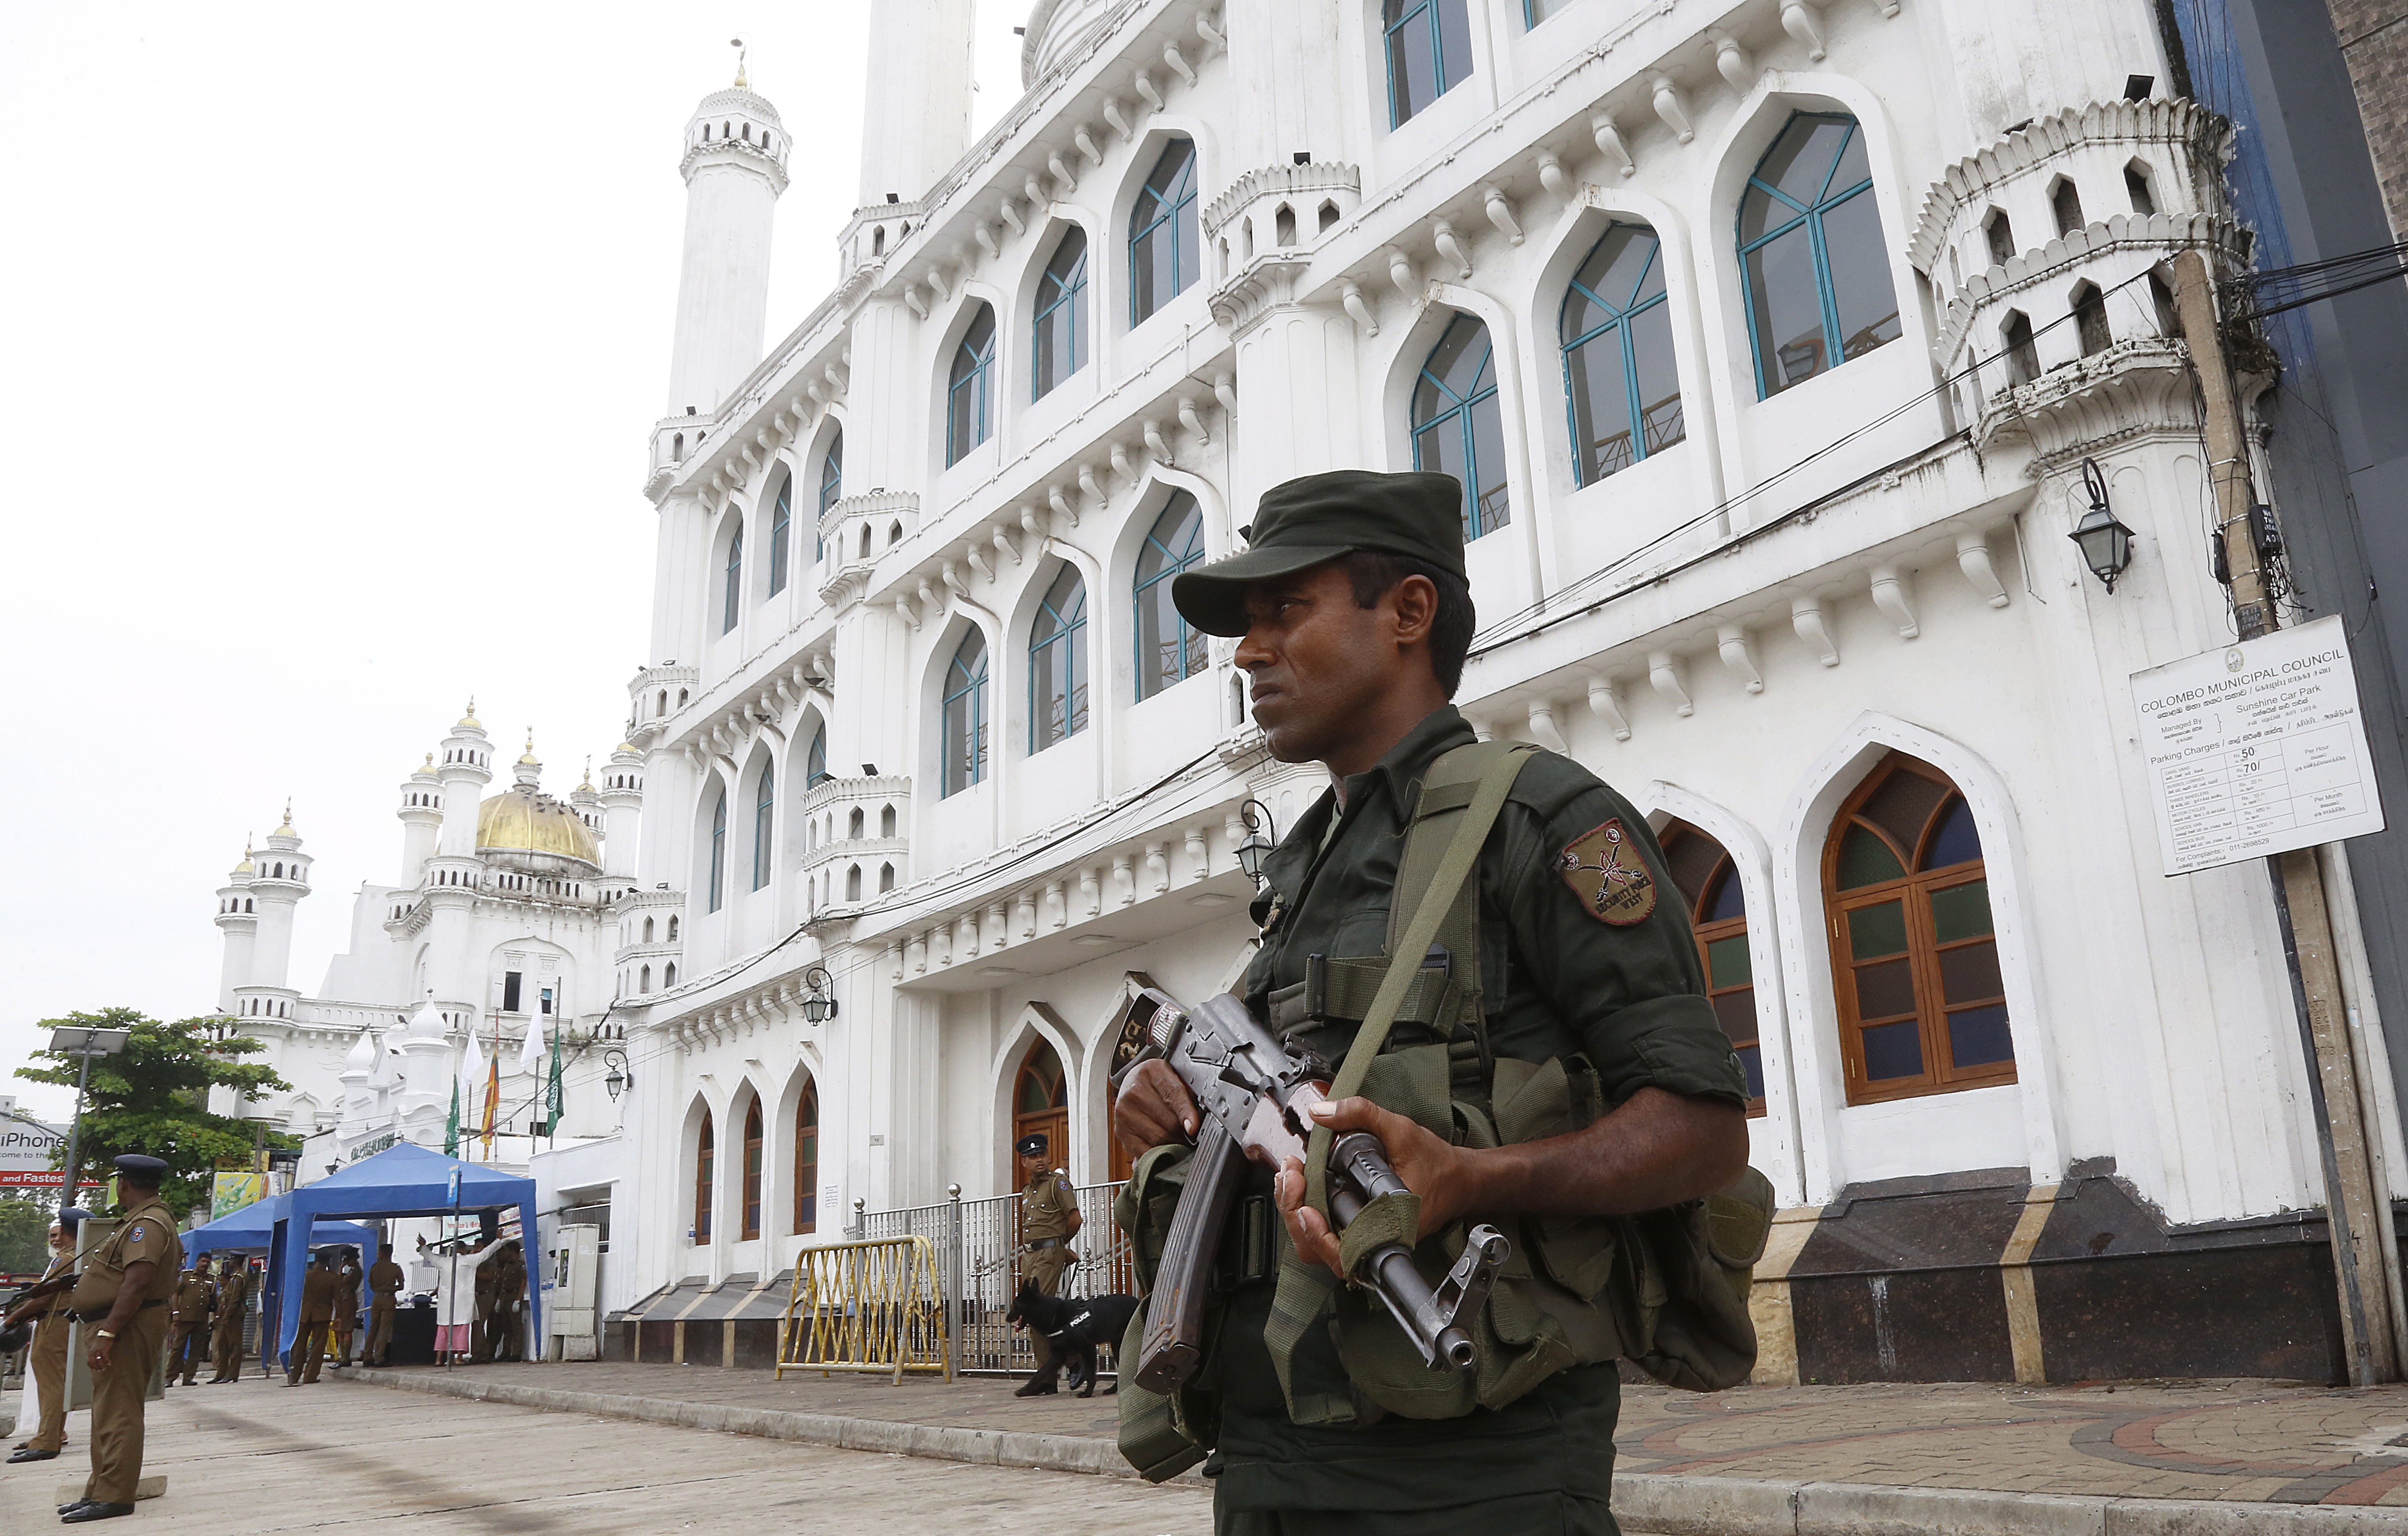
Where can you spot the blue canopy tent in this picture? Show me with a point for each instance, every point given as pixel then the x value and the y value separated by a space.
pixel 251 1229
pixel 404 1180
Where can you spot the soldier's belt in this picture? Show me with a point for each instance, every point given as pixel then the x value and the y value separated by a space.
pixel 1039 1243
pixel 97 1313
pixel 1343 989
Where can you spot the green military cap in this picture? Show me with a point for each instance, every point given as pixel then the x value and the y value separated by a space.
pixel 1321 516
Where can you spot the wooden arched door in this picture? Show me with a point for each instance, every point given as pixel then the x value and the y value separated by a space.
pixel 1040 1103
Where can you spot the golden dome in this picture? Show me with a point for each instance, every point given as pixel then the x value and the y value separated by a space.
pixel 529 759
pixel 244 867
pixel 469 721
pixel 521 820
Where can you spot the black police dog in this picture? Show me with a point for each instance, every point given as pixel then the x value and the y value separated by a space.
pixel 1075 1326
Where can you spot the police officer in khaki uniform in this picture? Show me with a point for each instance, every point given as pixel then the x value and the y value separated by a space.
pixel 1049 1219
pixel 321 1286
pixel 345 1320
pixel 1353 614
pixel 188 1319
pixel 47 1311
pixel 122 1300
pixel 234 1296
pixel 385 1281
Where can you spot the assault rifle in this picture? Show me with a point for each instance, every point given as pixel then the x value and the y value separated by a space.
pixel 1255 1096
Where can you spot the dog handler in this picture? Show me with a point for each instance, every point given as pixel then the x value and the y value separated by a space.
pixel 1049 1219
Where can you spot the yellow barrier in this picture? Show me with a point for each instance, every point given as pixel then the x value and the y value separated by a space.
pixel 876 1305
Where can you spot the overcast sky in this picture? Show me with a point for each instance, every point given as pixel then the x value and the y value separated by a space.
pixel 329 339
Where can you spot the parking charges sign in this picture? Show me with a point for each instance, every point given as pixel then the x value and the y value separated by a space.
pixel 2256 748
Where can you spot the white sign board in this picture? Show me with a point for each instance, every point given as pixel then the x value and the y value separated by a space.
pixel 26 1148
pixel 2256 748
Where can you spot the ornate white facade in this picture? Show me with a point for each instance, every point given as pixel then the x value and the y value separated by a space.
pixel 500 921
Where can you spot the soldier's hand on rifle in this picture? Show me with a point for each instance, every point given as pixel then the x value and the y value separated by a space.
pixel 1431 1168
pixel 1154 1108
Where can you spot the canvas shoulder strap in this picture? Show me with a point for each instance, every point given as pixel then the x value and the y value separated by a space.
pixel 1303 1289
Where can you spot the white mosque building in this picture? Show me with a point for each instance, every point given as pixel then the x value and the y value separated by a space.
pixel 1769 340
pixel 500 923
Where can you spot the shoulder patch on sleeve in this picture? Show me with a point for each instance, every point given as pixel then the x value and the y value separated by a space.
pixel 1607 872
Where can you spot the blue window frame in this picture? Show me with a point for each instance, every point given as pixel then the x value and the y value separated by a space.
pixel 782 518
pixel 1536 11
pixel 831 490
pixel 1057 663
pixel 730 606
pixel 1621 383
pixel 815 760
pixel 1813 267
pixel 1429 52
pixel 1060 334
pixel 1167 651
pixel 1458 426
pixel 964 717
pixel 718 852
pixel 1166 252
pixel 765 804
pixel 970 396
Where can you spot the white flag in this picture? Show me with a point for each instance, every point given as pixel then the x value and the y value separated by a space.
pixel 531 1049
pixel 472 1074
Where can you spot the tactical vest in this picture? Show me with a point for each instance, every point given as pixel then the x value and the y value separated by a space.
pixel 1666 1290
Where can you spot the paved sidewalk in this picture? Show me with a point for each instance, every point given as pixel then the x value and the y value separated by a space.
pixel 2189 1457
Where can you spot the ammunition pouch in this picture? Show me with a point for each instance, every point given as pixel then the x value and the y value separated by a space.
pixel 1162 1434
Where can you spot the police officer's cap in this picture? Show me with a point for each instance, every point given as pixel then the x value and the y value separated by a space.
pixel 140 1168
pixel 1032 1144
pixel 1303 523
pixel 73 1217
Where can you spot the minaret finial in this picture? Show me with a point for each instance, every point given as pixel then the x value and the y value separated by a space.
pixel 737 43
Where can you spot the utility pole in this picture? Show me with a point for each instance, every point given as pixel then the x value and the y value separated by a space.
pixel 77 1039
pixel 2356 1202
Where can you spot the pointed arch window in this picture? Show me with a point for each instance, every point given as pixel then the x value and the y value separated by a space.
pixel 963 722
pixel 969 394
pixel 752 1170
pixel 782 518
pixel 807 1159
pixel 765 804
pixel 1915 958
pixel 1166 252
pixel 733 597
pixel 1620 380
pixel 1709 884
pixel 1429 44
pixel 703 1171
pixel 1057 663
pixel 1812 262
pixel 1060 340
pixel 1458 426
pixel 1167 649
pixel 718 851
pixel 1040 1103
pixel 831 490
pixel 815 760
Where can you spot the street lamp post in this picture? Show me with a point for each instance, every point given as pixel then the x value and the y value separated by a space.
pixel 77 1039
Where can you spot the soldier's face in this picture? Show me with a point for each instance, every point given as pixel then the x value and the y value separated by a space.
pixel 1321 662
pixel 1032 1163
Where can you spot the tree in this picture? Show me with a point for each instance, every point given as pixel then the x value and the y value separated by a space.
pixel 153 1097
pixel 24 1236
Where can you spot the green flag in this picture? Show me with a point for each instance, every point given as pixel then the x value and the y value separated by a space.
pixel 551 1094
pixel 451 1126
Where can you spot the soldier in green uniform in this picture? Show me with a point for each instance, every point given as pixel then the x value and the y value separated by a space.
pixel 188 1322
pixel 1353 617
pixel 122 1300
pixel 1049 1219
pixel 234 1296
pixel 49 1313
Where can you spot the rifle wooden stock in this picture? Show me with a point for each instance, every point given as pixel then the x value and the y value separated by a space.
pixel 1174 1317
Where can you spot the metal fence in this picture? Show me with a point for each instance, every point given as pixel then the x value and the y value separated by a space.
pixel 977 1247
pixel 872 1306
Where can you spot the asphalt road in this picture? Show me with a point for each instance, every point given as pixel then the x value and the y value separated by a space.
pixel 257 1456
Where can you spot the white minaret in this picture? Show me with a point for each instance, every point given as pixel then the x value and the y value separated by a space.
pixel 279 878
pixel 622 802
pixel 917 122
pixel 735 167
pixel 421 814
pixel 426 1072
pixel 238 920
pixel 466 766
pixel 359 1099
